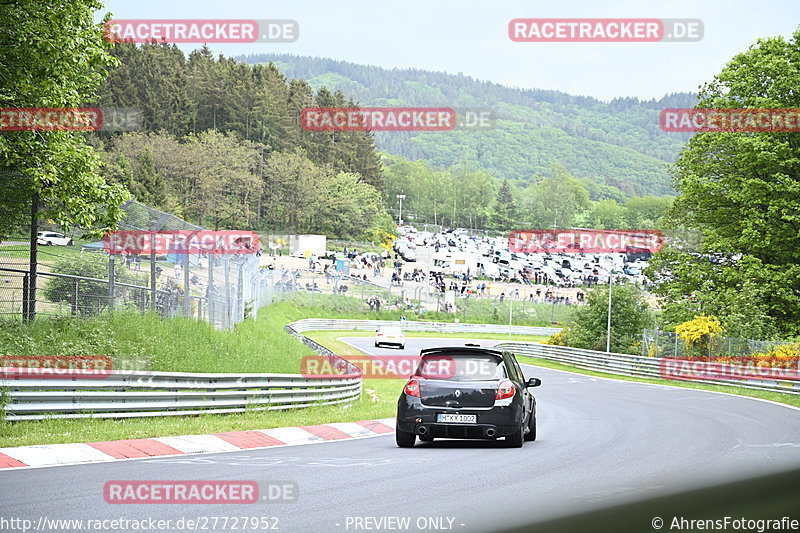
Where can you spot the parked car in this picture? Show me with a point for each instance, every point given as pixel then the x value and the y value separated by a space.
pixel 390 336
pixel 467 392
pixel 50 238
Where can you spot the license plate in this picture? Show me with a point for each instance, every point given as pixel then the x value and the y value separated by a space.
pixel 457 419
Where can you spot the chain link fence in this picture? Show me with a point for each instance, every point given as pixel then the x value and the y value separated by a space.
pixel 657 343
pixel 331 290
pixel 222 289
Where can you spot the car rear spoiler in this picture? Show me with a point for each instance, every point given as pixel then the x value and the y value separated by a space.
pixel 460 350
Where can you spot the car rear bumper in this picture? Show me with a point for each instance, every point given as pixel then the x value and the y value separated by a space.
pixel 493 422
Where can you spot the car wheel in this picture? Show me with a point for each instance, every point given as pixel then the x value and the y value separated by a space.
pixel 404 439
pixel 531 428
pixel 426 438
pixel 70 243
pixel 516 440
pixel 377 345
pixel 402 346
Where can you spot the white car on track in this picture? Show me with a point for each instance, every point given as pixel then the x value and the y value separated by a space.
pixel 390 336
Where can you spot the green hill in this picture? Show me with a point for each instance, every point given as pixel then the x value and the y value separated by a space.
pixel 615 143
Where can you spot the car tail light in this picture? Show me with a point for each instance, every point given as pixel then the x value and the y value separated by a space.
pixel 505 390
pixel 412 387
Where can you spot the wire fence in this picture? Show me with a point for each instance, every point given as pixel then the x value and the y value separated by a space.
pixel 657 343
pixel 331 290
pixel 222 289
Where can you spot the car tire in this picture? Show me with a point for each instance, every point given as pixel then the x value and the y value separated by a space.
pixel 531 435
pixel 377 345
pixel 402 346
pixel 404 439
pixel 70 243
pixel 516 439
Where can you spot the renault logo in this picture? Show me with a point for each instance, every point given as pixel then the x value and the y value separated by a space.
pixel 458 393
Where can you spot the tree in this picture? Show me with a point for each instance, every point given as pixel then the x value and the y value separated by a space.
pixel 645 212
pixel 347 207
pixel 291 183
pixel 629 316
pixel 741 192
pixel 554 202
pixel 55 59
pixel 503 215
pixel 606 214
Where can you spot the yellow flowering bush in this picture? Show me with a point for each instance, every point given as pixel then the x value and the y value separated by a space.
pixel 560 338
pixel 783 356
pixel 697 333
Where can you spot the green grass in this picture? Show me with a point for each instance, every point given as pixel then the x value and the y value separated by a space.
pixel 46 254
pixel 330 338
pixel 259 345
pixel 180 344
pixel 789 399
pixel 472 311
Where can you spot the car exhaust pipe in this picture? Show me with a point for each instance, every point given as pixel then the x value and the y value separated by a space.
pixel 490 432
pixel 422 430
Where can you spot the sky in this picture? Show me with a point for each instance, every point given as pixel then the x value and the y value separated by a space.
pixel 471 37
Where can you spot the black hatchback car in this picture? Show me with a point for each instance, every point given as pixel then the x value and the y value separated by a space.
pixel 467 392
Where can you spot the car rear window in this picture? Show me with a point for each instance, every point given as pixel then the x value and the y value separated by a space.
pixel 462 367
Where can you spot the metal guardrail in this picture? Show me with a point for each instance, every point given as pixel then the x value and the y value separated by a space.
pixel 128 394
pixel 312 324
pixel 632 365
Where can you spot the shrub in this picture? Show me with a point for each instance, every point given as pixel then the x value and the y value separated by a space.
pixel 559 339
pixel 698 334
pixel 629 316
pixel 92 296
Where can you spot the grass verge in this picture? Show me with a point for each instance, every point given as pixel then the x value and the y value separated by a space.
pixel 331 337
pixel 259 345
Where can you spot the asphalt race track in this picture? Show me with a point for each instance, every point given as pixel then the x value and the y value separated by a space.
pixel 600 442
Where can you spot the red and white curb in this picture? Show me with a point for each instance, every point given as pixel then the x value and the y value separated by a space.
pixel 230 441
